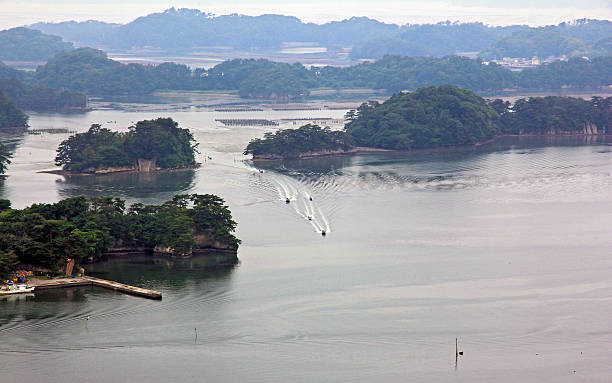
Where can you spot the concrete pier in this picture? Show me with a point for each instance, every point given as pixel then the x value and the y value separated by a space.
pixel 41 284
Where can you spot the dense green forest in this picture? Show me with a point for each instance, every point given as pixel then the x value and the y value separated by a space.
pixel 147 146
pixel 555 115
pixel 396 73
pixel 23 44
pixel 451 116
pixel 82 229
pixel 10 115
pixel 577 73
pixel 41 98
pixel 91 71
pixel 291 143
pixel 430 117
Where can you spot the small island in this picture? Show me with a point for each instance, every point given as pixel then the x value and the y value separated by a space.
pixel 438 117
pixel 430 117
pixel 43 237
pixel 150 145
pixel 308 141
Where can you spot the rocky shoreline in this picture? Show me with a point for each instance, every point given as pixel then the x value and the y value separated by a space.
pixel 325 153
pixel 125 169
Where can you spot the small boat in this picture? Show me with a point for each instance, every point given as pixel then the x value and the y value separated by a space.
pixel 309 218
pixel 287 200
pixel 16 289
pixel 323 233
pixel 310 198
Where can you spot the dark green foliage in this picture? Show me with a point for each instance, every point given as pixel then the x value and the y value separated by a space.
pixel 47 234
pixel 10 115
pixel 291 143
pixel 577 72
pixel 88 70
pixel 397 73
pixel 430 117
pixel 97 148
pixel 555 115
pixel 5 156
pixel 40 98
pixel 257 78
pixel 23 44
pixel 8 263
pixel 91 71
pixel 160 141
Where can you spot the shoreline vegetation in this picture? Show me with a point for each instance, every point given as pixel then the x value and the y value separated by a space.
pixel 109 171
pixel 46 237
pixel 148 146
pixel 438 118
pixel 91 72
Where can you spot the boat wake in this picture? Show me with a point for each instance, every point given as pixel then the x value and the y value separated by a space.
pixel 299 197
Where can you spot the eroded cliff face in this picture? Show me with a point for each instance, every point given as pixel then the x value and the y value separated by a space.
pixel 206 243
pixel 142 165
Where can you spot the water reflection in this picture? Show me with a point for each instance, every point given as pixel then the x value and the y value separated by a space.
pixel 173 273
pixel 446 169
pixel 127 185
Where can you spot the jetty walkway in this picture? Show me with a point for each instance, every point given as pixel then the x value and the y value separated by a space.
pixel 42 284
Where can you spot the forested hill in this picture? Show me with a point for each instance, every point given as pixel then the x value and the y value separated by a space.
pixel 84 229
pixel 449 116
pixel 430 117
pixel 23 44
pixel 91 71
pixel 579 38
pixel 40 98
pixel 191 29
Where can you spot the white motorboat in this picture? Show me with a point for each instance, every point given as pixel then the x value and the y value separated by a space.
pixel 16 289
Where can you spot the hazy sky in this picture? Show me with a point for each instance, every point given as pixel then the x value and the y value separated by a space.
pixel 498 12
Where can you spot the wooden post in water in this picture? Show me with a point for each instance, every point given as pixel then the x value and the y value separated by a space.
pixel 69 267
pixel 457 352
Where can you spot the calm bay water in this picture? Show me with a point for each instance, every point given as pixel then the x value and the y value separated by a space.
pixel 506 247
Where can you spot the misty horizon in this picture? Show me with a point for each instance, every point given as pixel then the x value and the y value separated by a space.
pixel 22 13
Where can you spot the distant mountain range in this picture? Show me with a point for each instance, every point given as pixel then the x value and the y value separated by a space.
pixel 189 29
